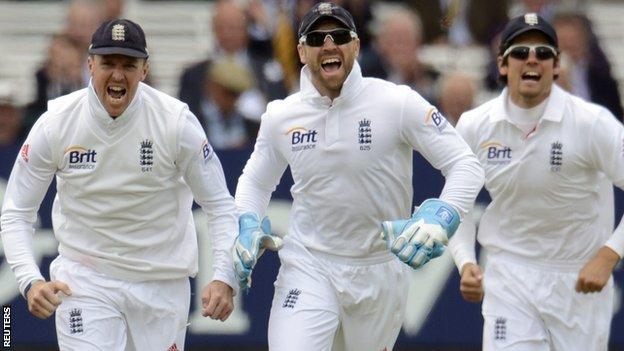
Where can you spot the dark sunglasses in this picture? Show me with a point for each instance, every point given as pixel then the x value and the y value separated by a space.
pixel 338 36
pixel 521 51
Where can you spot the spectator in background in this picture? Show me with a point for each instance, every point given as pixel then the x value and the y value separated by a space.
pixel 457 95
pixel 113 9
pixel 586 71
pixel 394 56
pixel 60 74
pixel 230 25
pixel 460 22
pixel 225 127
pixel 11 131
pixel 83 18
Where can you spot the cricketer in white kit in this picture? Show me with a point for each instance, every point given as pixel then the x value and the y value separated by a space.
pixel 128 161
pixel 549 253
pixel 349 142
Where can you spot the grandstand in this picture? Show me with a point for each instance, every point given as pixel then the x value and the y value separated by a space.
pixel 178 33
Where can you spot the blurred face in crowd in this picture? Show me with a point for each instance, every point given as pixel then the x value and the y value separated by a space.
pixel 398 41
pixel 10 123
pixel 224 98
pixel 83 18
pixel 529 80
pixel 572 39
pixel 116 79
pixel 230 27
pixel 330 64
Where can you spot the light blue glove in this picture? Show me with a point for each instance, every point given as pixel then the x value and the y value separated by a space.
pixel 254 236
pixel 424 236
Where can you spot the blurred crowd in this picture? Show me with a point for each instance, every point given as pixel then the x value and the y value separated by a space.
pixel 254 59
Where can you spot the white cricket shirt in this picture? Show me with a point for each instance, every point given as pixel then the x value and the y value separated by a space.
pixel 124 189
pixel 545 184
pixel 351 162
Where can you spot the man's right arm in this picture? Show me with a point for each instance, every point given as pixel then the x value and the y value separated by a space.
pixel 28 184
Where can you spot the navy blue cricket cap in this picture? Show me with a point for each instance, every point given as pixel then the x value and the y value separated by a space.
pixel 119 36
pixel 326 10
pixel 525 23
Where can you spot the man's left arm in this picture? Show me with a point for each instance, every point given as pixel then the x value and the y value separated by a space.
pixel 607 152
pixel 428 132
pixel 203 173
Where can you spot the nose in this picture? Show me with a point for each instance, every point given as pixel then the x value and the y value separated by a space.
pixel 328 42
pixel 117 73
pixel 532 57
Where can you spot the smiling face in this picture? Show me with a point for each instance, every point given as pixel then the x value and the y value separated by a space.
pixel 529 81
pixel 116 79
pixel 329 64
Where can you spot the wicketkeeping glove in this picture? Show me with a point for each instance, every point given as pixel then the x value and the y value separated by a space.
pixel 424 236
pixel 254 237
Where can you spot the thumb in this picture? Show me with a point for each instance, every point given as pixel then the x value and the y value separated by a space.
pixel 476 272
pixel 272 242
pixel 60 286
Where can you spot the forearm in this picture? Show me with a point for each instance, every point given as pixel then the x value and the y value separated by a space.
pixel 19 253
pixel 462 244
pixel 463 182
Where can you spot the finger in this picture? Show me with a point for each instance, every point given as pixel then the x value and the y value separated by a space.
pixel 218 310
pixel 209 307
pixel 398 244
pixel 407 253
pixel 227 314
pixel 42 300
pixel 62 287
pixel 419 259
pixel 579 285
pixel 52 297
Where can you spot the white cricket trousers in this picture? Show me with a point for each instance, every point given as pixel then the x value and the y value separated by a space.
pixel 323 302
pixel 109 314
pixel 532 306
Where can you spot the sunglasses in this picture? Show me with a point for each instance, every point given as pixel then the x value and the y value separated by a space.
pixel 338 36
pixel 521 51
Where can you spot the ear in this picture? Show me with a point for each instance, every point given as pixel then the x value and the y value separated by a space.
pixel 302 55
pixel 557 66
pixel 145 69
pixel 91 63
pixel 357 47
pixel 502 67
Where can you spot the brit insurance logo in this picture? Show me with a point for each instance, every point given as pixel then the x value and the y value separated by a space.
pixel 437 119
pixel 302 138
pixel 81 158
pixel 497 153
pixel 365 134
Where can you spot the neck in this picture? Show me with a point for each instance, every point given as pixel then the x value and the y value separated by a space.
pixel 528 101
pixel 325 91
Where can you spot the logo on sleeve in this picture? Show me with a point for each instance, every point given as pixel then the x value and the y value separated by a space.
pixel 207 151
pixel 437 119
pixel 24 152
pixel 497 153
pixel 81 158
pixel 556 156
pixel 365 134
pixel 302 138
pixel 146 156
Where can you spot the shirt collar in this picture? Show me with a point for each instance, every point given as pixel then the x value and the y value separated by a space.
pixel 101 116
pixel 553 112
pixel 351 86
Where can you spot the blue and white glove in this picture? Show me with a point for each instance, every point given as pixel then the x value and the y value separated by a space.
pixel 254 236
pixel 424 236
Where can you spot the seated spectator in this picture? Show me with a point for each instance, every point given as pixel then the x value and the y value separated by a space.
pixel 60 74
pixel 11 130
pixel 230 27
pixel 394 56
pixel 225 126
pixel 585 69
pixel 457 95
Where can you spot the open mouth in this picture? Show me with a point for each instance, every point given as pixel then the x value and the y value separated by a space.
pixel 331 65
pixel 531 76
pixel 116 92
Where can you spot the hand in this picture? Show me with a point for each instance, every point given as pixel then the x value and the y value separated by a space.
pixel 217 300
pixel 471 283
pixel 43 298
pixel 423 237
pixel 253 238
pixel 596 273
